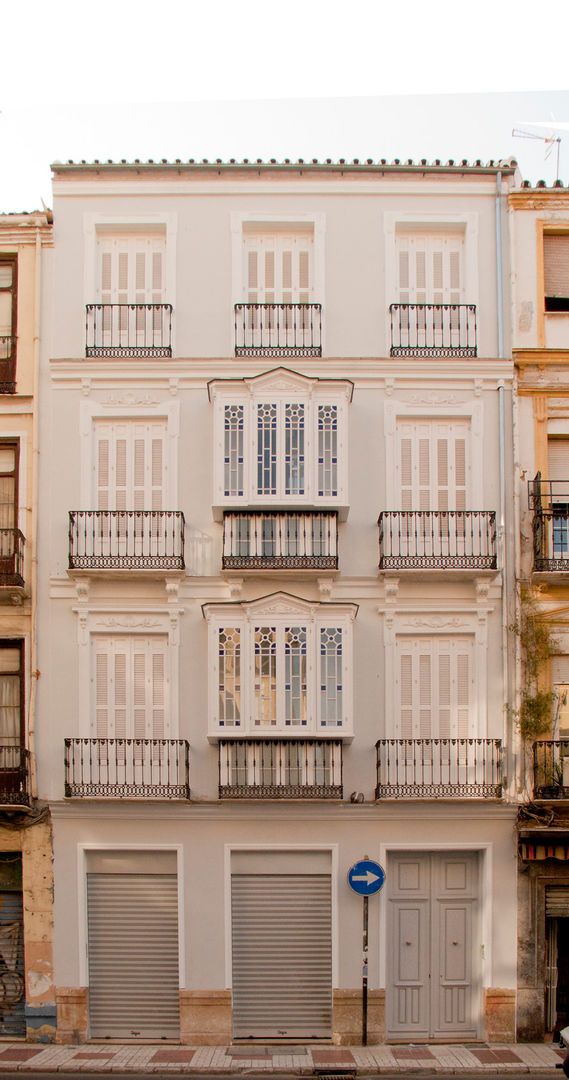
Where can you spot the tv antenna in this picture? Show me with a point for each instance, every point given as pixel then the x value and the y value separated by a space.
pixel 551 140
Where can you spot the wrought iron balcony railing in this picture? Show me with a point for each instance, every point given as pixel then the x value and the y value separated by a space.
pixel 11 557
pixel 14 776
pixel 549 500
pixel 278 330
pixel 433 330
pixel 305 540
pixel 280 769
pixel 126 540
pixel 7 364
pixel 129 330
pixel 439 768
pixel 437 539
pixel 127 768
pixel 551 769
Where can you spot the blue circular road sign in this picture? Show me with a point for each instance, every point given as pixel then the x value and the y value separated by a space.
pixel 366 877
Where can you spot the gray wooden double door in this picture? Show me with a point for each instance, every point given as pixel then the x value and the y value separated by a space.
pixel 433 989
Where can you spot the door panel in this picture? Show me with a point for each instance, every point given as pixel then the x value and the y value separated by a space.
pixel 432 990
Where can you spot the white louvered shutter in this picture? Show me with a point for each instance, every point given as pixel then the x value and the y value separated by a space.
pixel 131 269
pixel 130 687
pixel 435 687
pixel 278 267
pixel 430 268
pixel 433 465
pixel 130 467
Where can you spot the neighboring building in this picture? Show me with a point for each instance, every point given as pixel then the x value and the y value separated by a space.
pixel 540 257
pixel 27 994
pixel 249 683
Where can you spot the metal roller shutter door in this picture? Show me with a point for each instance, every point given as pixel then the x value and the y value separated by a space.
pixel 282 955
pixel 12 996
pixel 557 901
pixel 133 956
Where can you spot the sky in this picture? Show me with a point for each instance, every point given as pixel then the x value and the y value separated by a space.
pixel 306 78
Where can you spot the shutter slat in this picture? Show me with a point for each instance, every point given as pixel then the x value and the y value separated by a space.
pixel 282 975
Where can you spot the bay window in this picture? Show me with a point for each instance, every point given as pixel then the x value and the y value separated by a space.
pixel 280 665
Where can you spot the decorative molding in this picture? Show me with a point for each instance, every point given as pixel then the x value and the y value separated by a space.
pixel 325 589
pixel 85 387
pixel 438 622
pixel 391 590
pixel 128 621
pixel 434 398
pixel 131 400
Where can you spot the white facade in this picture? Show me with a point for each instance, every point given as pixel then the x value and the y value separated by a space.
pixel 280 354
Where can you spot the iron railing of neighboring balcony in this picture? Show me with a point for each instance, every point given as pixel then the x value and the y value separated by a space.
pixel 439 768
pixel 280 769
pixel 126 540
pixel 129 330
pixel 433 330
pixel 14 776
pixel 12 557
pixel 549 500
pixel 127 768
pixel 551 769
pixel 301 540
pixel 437 539
pixel 7 364
pixel 278 330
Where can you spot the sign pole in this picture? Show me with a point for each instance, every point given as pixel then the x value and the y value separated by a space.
pixel 364 975
pixel 365 877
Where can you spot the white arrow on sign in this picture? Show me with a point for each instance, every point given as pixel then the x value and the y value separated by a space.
pixel 368 877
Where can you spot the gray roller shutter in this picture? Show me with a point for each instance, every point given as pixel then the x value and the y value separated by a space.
pixel 282 955
pixel 557 901
pixel 133 956
pixel 558 461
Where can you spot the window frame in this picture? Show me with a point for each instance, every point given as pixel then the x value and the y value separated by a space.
pixel 280 388
pixel 19 643
pixel 280 611
pixel 8 365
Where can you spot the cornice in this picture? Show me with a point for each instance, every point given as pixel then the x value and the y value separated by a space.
pixel 542 199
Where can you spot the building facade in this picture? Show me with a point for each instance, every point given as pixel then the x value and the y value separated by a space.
pixel 276 585
pixel 540 246
pixel 27 995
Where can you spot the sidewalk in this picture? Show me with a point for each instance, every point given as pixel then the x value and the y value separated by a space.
pixel 535 1058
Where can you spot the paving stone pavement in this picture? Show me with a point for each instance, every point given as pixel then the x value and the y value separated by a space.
pixel 535 1058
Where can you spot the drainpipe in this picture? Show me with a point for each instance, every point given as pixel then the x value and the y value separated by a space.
pixel 502 544
pixel 499 290
pixel 34 517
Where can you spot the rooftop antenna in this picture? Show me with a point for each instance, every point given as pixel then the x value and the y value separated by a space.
pixel 550 140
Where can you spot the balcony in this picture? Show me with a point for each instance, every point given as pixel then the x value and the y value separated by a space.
pixel 11 559
pixel 126 540
pixel 437 540
pixel 549 500
pixel 127 769
pixel 14 776
pixel 433 330
pixel 278 329
pixel 439 769
pixel 116 330
pixel 305 540
pixel 280 769
pixel 7 364
pixel 551 769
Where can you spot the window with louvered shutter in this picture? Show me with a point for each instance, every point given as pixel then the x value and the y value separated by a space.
pixel 433 465
pixel 130 687
pixel 129 468
pixel 430 268
pixel 434 683
pixel 278 267
pixel 131 269
pixel 556 271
